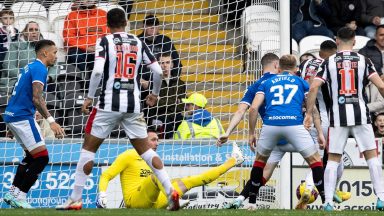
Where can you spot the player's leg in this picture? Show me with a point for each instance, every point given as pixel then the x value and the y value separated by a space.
pixel 136 129
pixel 99 125
pixel 337 140
pixel 365 140
pixel 269 136
pixel 28 133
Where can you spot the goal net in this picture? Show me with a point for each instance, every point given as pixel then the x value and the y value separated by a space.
pixel 215 49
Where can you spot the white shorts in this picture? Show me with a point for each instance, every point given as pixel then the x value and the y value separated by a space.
pixel 100 124
pixel 363 134
pixel 297 136
pixel 27 133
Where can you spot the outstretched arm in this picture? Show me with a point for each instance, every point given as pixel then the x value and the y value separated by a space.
pixel 253 112
pixel 316 83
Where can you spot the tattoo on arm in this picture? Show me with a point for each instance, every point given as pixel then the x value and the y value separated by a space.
pixel 38 99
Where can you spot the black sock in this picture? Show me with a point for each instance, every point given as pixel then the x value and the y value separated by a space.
pixel 318 178
pixel 256 180
pixel 22 169
pixel 247 188
pixel 34 170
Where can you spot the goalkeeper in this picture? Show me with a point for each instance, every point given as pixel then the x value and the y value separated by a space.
pixel 141 189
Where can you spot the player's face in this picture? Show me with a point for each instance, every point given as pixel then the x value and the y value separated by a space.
pixel 50 54
pixel 153 140
pixel 7 19
pixel 380 124
pixel 33 32
pixel 380 37
pixel 166 65
pixel 305 57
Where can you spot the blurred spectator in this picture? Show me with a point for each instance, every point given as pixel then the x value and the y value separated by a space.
pixel 372 15
pixel 345 13
pixel 306 56
pixel 307 17
pixel 379 125
pixel 82 26
pixel 198 122
pixel 21 53
pixel 374 49
pixel 127 6
pixel 169 107
pixel 8 33
pixel 375 100
pixel 159 43
pixel 45 129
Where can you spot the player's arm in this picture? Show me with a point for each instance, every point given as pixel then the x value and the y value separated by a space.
pixel 97 73
pixel 238 115
pixel 253 112
pixel 121 163
pixel 378 82
pixel 157 74
pixel 310 102
pixel 39 102
pixel 319 129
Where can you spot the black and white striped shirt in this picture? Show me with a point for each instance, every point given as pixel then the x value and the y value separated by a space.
pixel 307 70
pixel 347 74
pixel 123 54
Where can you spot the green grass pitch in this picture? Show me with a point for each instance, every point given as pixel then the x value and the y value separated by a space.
pixel 200 212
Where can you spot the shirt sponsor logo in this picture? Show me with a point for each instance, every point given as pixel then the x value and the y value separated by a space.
pixel 9 113
pixel 282 117
pixel 341 100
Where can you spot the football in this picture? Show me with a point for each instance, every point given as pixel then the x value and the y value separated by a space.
pixel 300 190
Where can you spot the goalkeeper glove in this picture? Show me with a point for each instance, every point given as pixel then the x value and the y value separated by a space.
pixel 102 200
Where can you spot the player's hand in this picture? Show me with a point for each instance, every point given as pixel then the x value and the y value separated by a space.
pixel 91 49
pixel 321 141
pixel 222 139
pixel 87 103
pixel 308 122
pixel 151 100
pixel 102 200
pixel 57 130
pixel 252 143
pixel 9 134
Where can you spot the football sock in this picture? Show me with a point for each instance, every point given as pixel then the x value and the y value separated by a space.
pixel 247 188
pixel 40 160
pixel 80 176
pixel 161 174
pixel 21 171
pixel 340 170
pixel 318 178
pixel 376 176
pixel 309 181
pixel 330 176
pixel 209 175
pixel 256 180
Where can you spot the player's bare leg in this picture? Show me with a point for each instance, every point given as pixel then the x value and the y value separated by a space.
pixel 153 160
pixel 83 169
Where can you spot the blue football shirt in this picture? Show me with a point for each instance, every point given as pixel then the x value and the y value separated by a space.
pixel 20 106
pixel 284 97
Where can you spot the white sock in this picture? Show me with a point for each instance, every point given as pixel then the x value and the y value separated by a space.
pixel 340 170
pixel 161 174
pixel 80 176
pixel 21 195
pixel 376 176
pixel 16 191
pixel 330 176
pixel 309 181
pixel 241 198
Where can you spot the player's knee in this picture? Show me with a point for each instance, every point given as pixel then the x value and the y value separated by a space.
pixel 87 168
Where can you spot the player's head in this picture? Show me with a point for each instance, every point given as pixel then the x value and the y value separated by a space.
pixel 84 4
pixel 327 48
pixel 31 31
pixel 270 62
pixel 153 138
pixel 46 51
pixel 116 19
pixel 7 17
pixel 288 63
pixel 379 123
pixel 151 27
pixel 306 56
pixel 345 37
pixel 379 36
pixel 165 61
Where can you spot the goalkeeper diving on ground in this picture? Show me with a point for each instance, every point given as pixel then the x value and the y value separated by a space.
pixel 141 189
